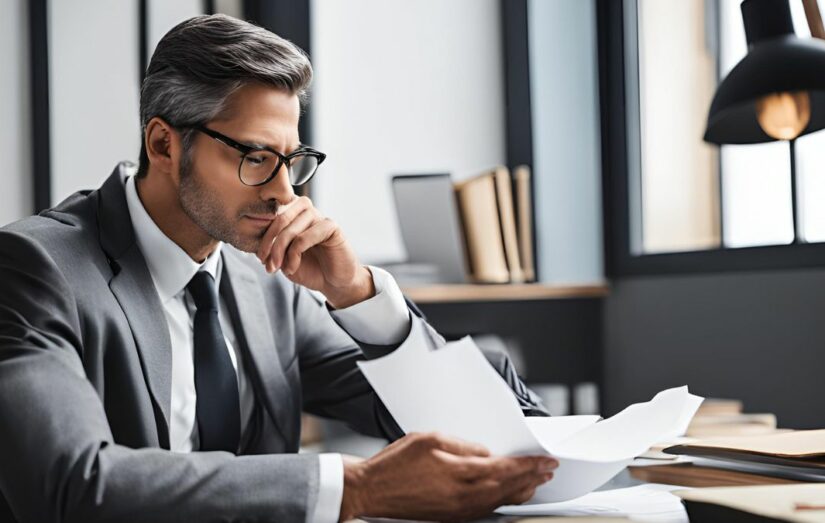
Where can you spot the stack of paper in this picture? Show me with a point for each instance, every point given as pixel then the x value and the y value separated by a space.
pixel 650 502
pixel 455 391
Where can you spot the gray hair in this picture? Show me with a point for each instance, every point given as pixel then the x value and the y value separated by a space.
pixel 200 62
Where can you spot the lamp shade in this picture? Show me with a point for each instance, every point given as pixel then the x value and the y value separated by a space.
pixel 777 62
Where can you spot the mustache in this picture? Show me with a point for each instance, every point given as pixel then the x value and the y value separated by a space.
pixel 260 208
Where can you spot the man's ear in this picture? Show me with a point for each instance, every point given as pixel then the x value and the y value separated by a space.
pixel 163 146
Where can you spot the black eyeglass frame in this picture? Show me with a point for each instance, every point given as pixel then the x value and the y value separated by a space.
pixel 245 150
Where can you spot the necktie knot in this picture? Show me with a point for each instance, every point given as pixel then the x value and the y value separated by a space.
pixel 202 289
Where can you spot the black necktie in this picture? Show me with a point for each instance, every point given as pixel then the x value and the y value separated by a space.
pixel 216 386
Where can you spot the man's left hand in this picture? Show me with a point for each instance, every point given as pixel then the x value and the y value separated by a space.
pixel 311 250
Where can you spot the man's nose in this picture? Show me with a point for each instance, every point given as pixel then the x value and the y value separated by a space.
pixel 278 188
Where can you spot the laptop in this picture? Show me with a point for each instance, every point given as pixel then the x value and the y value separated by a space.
pixel 430 228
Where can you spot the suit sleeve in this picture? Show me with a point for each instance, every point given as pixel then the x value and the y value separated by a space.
pixel 333 386
pixel 58 460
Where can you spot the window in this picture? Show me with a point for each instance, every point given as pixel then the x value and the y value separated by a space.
pixel 684 194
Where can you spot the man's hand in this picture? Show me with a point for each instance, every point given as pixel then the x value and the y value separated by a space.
pixel 433 477
pixel 311 251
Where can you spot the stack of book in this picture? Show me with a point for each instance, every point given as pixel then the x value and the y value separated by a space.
pixel 725 447
pixel 717 418
pixel 497 221
pixel 725 418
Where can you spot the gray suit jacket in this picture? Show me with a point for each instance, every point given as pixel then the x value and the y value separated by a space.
pixel 85 380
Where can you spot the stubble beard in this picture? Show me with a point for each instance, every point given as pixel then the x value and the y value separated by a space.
pixel 205 208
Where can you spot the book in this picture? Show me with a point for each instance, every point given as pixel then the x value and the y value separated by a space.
pixel 725 417
pixel 731 425
pixel 718 406
pixel 507 217
pixel 524 206
pixel 486 207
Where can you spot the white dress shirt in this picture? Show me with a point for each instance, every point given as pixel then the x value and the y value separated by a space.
pixel 381 320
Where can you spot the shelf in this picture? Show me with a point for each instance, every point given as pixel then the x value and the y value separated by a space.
pixel 450 293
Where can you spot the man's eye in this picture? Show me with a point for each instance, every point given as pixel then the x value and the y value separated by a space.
pixel 255 160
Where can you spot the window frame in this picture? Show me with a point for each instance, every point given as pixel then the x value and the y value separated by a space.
pixel 620 260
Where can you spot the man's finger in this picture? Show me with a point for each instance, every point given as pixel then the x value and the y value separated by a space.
pixel 521 496
pixel 508 468
pixel 275 257
pixel 283 217
pixel 467 468
pixel 523 491
pixel 318 233
pixel 514 491
pixel 459 447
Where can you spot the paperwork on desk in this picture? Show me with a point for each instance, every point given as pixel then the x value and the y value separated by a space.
pixel 455 391
pixel 801 502
pixel 650 502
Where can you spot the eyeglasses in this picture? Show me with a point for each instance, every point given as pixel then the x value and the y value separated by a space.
pixel 259 165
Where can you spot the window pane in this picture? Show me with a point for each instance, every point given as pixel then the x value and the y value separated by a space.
pixel 757 194
pixel 810 175
pixel 679 171
pixel 675 177
pixel 810 161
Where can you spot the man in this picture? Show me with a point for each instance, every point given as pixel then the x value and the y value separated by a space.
pixel 159 337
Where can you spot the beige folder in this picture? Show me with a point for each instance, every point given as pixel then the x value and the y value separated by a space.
pixel 799 445
pixel 804 502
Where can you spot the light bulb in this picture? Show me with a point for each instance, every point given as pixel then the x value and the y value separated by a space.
pixel 784 116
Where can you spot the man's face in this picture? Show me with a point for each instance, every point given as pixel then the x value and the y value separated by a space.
pixel 211 193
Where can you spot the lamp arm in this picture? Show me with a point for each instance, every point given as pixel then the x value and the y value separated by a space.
pixel 814 18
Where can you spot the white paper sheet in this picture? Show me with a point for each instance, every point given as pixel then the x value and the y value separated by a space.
pixel 650 502
pixel 555 429
pixel 455 391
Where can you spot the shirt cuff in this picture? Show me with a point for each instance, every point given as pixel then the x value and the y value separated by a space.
pixel 383 319
pixel 327 507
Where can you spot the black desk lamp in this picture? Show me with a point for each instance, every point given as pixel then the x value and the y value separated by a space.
pixel 777 91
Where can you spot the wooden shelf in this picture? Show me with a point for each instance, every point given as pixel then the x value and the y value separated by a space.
pixel 447 293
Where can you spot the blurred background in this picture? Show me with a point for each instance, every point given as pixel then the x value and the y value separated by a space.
pixel 660 260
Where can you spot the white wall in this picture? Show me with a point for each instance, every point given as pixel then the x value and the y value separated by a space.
pixel 163 15
pixel 566 140
pixel 15 108
pixel 94 91
pixel 401 87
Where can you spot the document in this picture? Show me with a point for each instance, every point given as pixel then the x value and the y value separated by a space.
pixel 454 390
pixel 650 502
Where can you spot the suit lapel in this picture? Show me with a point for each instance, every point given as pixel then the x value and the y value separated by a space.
pixel 134 290
pixel 242 291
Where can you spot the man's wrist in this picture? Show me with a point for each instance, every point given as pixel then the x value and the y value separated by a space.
pixel 353 504
pixel 362 288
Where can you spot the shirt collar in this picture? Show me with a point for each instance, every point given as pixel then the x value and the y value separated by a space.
pixel 171 268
